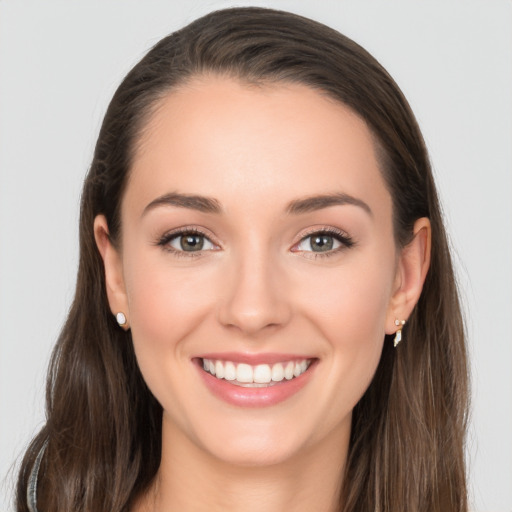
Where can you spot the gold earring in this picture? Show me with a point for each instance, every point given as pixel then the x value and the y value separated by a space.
pixel 398 333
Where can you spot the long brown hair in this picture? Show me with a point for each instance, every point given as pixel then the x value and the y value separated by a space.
pixel 103 428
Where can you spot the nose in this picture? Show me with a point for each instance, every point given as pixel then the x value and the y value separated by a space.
pixel 255 298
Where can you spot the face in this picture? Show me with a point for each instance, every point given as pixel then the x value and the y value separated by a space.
pixel 257 245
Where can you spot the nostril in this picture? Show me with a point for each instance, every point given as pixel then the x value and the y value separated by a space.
pixel 253 298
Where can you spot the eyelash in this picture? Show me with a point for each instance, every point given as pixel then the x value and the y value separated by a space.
pixel 165 240
pixel 343 238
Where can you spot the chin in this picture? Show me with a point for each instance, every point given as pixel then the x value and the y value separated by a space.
pixel 253 452
pixel 247 439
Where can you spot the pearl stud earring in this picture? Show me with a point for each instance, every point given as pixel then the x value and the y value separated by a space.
pixel 121 319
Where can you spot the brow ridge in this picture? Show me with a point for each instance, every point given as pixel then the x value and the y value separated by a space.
pixel 194 202
pixel 318 202
pixel 296 207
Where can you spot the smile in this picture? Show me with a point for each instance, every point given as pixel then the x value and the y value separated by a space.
pixel 261 375
pixel 261 380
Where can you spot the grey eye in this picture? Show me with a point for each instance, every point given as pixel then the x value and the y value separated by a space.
pixel 319 242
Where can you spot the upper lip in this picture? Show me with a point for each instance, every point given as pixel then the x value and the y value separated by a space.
pixel 254 359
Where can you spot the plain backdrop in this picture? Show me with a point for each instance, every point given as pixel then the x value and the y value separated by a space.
pixel 60 62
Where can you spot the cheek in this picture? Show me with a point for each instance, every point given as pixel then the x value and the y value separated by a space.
pixel 353 302
pixel 350 312
pixel 165 306
pixel 164 303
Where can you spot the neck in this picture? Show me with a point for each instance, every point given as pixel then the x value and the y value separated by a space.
pixel 190 479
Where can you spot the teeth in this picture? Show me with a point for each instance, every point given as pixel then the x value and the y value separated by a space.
pixel 277 373
pixel 219 370
pixel 244 373
pixel 260 374
pixel 229 371
pixel 288 371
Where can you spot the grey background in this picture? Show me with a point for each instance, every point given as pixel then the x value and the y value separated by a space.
pixel 60 62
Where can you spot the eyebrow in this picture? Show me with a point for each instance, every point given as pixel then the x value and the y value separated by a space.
pixel 296 207
pixel 200 203
pixel 313 203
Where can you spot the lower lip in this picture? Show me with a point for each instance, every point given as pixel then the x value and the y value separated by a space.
pixel 255 397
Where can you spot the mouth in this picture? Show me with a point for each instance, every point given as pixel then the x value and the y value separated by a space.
pixel 249 381
pixel 255 376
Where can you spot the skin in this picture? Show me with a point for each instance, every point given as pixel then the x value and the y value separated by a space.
pixel 258 287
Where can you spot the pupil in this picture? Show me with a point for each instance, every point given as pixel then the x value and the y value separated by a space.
pixel 191 242
pixel 322 243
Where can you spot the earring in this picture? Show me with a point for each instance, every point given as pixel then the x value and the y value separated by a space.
pixel 398 334
pixel 121 319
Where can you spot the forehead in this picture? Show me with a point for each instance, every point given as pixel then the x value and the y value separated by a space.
pixel 218 136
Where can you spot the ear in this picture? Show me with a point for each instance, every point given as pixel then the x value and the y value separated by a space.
pixel 412 268
pixel 114 279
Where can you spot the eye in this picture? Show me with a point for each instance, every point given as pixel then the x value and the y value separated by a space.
pixel 319 242
pixel 187 241
pixel 325 241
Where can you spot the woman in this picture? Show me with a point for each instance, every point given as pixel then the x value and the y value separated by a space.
pixel 265 304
